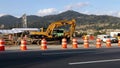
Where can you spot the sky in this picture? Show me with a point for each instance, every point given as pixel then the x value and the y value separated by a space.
pixel 49 7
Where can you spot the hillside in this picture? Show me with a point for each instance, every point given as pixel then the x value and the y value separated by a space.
pixel 83 21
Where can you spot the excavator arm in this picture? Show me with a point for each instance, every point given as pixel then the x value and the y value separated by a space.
pixel 52 26
pixel 72 28
pixel 57 24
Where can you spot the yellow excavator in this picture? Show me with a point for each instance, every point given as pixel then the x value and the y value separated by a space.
pixel 53 33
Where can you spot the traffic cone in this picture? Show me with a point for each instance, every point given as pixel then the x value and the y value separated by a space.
pixel 86 43
pixel 98 43
pixel 43 44
pixel 2 43
pixel 108 43
pixel 74 43
pixel 64 43
pixel 91 37
pixel 119 42
pixel 23 46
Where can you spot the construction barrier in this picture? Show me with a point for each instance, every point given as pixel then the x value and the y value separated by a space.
pixel 23 46
pixel 86 43
pixel 74 43
pixel 43 44
pixel 84 37
pixel 108 43
pixel 119 42
pixel 91 37
pixel 64 43
pixel 2 47
pixel 98 43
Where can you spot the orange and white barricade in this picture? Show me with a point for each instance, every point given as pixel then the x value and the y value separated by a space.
pixel 74 43
pixel 23 46
pixel 108 43
pixel 98 43
pixel 43 44
pixel 2 45
pixel 86 43
pixel 64 43
pixel 119 42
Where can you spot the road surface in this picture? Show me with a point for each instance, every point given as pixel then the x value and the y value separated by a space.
pixel 66 58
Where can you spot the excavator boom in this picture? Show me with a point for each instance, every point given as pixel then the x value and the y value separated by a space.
pixel 57 24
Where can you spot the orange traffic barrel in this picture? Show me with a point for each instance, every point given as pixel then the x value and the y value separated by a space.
pixel 64 43
pixel 84 37
pixel 108 43
pixel 98 43
pixel 91 37
pixel 86 43
pixel 74 43
pixel 2 43
pixel 119 42
pixel 43 44
pixel 23 46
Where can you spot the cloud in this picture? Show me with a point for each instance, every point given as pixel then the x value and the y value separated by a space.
pixel 77 5
pixel 2 15
pixel 117 14
pixel 48 11
pixel 110 13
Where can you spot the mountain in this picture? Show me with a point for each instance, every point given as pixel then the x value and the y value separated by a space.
pixel 83 21
pixel 8 20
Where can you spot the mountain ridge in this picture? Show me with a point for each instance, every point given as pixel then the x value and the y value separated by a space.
pixel 97 22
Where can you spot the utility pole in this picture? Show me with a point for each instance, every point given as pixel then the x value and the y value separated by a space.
pixel 24 21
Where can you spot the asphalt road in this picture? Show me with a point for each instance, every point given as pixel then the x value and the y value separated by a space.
pixel 70 58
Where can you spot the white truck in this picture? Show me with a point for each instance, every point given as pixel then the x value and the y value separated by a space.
pixel 105 37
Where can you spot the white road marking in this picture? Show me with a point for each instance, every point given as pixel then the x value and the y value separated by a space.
pixel 97 61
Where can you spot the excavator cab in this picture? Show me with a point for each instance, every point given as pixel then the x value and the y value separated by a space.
pixel 58 33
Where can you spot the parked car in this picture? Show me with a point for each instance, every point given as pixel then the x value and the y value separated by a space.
pixel 105 37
